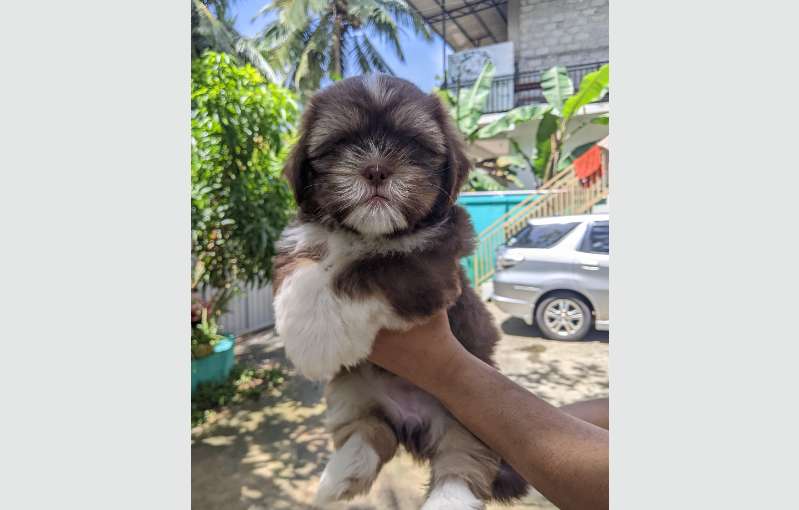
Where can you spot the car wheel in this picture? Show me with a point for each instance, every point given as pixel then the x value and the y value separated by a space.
pixel 563 316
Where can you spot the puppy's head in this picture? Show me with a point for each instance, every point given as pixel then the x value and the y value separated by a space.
pixel 377 156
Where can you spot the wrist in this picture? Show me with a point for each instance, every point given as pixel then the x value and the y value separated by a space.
pixel 445 371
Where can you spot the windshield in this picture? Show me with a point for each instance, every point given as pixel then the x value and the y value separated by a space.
pixel 541 236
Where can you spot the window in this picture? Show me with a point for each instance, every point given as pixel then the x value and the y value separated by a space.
pixel 597 239
pixel 541 236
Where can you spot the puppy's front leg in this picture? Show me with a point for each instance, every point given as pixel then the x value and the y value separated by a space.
pixel 322 332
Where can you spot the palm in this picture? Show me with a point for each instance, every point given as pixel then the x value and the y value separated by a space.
pixel 214 31
pixel 314 39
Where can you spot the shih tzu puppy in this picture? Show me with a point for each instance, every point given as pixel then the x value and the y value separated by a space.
pixel 376 244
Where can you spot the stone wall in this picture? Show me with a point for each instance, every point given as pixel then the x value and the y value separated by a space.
pixel 559 32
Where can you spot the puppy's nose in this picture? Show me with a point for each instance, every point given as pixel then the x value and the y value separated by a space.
pixel 375 173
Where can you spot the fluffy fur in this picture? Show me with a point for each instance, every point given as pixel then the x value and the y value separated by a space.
pixel 376 244
pixel 450 494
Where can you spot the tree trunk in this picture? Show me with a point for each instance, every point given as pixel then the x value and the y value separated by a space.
pixel 336 70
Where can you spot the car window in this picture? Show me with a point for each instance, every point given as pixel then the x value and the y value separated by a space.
pixel 541 236
pixel 597 239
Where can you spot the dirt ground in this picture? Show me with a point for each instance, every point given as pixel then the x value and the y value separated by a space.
pixel 268 455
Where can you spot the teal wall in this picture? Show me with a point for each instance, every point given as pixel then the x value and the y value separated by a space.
pixel 484 208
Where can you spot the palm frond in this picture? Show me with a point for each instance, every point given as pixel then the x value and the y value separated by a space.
pixel 407 17
pixel 221 36
pixel 375 59
pixel 360 58
pixel 314 58
pixel 383 26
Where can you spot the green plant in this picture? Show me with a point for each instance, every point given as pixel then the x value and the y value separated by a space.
pixel 554 128
pixel 240 128
pixel 204 336
pixel 243 383
pixel 467 105
pixel 318 39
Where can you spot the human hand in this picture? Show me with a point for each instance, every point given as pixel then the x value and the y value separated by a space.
pixel 425 355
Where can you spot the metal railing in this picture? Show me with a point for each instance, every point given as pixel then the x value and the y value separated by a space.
pixel 523 88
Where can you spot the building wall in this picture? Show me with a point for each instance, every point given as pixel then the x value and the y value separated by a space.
pixel 559 32
pixel 514 7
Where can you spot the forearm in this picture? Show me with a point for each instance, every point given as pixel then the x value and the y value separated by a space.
pixel 554 451
pixel 565 458
pixel 593 411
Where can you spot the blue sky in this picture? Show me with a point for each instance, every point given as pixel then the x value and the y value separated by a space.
pixel 422 58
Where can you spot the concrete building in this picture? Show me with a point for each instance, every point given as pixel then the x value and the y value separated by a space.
pixel 522 38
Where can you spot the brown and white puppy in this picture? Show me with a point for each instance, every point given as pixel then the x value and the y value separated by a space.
pixel 376 244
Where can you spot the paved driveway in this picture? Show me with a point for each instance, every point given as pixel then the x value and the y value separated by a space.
pixel 268 455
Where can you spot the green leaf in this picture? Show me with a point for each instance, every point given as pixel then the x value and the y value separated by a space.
pixel 517 150
pixel 509 120
pixel 548 126
pixel 603 121
pixel 592 88
pixel 556 86
pixel 471 101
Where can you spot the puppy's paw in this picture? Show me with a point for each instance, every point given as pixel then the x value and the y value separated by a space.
pixel 452 494
pixel 351 471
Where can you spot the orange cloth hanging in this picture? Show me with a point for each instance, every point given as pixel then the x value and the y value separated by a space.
pixel 589 163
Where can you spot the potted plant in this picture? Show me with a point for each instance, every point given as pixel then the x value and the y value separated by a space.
pixel 212 355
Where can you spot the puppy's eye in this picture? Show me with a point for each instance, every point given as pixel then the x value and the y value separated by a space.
pixel 420 149
pixel 421 143
pixel 324 150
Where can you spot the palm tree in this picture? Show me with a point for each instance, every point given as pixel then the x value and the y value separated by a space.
pixel 211 29
pixel 314 39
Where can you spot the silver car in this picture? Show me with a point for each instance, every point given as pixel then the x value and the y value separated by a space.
pixel 554 273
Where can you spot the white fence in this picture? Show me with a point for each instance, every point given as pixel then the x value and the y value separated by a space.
pixel 249 311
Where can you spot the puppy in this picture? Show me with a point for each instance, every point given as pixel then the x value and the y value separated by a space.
pixel 377 244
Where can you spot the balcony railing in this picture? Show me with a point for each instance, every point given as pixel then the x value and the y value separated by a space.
pixel 523 88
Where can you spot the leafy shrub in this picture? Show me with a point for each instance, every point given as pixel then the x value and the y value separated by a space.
pixel 240 127
pixel 242 384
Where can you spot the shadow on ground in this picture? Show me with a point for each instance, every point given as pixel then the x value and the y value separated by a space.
pixel 257 455
pixel 269 454
pixel 517 327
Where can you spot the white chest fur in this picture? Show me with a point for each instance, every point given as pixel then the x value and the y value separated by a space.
pixel 321 330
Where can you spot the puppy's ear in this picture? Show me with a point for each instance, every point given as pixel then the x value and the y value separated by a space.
pixel 297 169
pixel 457 165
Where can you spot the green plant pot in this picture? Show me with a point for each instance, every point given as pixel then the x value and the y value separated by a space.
pixel 216 366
